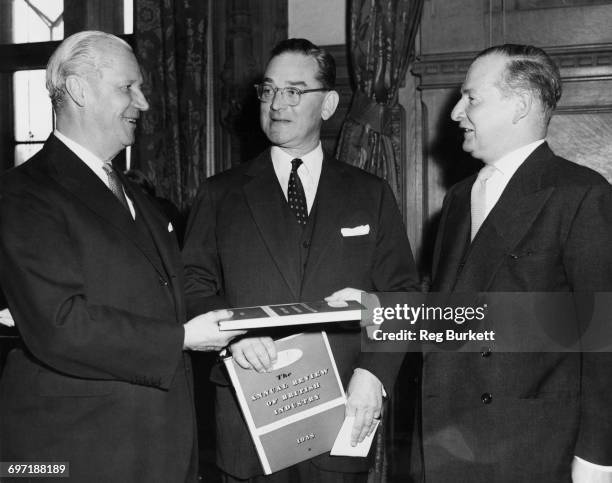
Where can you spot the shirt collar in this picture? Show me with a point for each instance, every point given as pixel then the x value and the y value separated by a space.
pixel 312 161
pixel 509 163
pixel 84 154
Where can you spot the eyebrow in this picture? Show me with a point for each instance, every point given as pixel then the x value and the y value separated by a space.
pixel 291 83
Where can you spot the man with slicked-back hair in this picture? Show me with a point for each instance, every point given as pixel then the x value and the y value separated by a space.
pixel 530 221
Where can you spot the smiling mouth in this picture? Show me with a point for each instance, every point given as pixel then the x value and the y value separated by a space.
pixel 131 120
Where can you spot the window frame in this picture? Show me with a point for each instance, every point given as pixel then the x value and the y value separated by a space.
pixel 84 15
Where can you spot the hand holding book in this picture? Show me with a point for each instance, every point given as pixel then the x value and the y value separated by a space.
pixel 257 353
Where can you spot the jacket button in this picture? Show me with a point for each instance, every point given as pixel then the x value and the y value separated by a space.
pixel 163 282
pixel 486 352
pixel 486 398
pixel 306 244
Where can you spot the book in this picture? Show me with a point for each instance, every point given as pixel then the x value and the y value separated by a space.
pixel 295 411
pixel 301 313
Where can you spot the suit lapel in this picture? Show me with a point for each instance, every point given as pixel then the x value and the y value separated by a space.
pixel 455 233
pixel 157 226
pixel 265 199
pixel 508 223
pixel 74 176
pixel 333 194
pixel 167 248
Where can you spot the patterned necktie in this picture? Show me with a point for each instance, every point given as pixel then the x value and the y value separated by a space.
pixel 114 183
pixel 295 194
pixel 478 200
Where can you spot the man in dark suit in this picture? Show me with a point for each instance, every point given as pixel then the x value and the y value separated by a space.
pixel 93 278
pixel 529 222
pixel 279 229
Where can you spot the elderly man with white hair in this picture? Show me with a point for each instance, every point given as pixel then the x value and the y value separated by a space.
pixel 93 278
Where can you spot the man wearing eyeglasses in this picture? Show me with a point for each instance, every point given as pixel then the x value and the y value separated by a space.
pixel 278 230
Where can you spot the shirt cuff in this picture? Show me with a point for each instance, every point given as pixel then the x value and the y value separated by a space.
pixel 586 472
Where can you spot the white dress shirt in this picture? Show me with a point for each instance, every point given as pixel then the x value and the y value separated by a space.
pixel 582 470
pixel 92 161
pixel 504 170
pixel 309 171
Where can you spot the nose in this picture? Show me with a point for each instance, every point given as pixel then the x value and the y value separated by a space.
pixel 458 111
pixel 278 101
pixel 139 100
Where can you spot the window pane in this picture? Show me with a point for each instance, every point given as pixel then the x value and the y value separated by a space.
pixel 32 106
pixel 37 20
pixel 23 21
pixel 23 152
pixel 128 16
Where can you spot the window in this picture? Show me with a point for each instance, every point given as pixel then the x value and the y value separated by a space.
pixel 37 21
pixel 29 32
pixel 33 118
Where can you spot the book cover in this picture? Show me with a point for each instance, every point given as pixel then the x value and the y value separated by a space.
pixel 295 411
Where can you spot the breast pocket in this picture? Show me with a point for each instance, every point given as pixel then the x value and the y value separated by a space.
pixel 357 248
pixel 536 270
pixel 356 241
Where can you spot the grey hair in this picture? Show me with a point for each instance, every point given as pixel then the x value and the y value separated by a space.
pixel 78 54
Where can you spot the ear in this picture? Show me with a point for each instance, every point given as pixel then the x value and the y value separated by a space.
pixel 330 102
pixel 523 105
pixel 76 89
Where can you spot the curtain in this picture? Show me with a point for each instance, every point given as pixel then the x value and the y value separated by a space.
pixel 381 46
pixel 170 38
pixel 381 43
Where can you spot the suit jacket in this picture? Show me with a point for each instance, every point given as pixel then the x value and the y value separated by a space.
pixel 239 252
pixel 509 417
pixel 101 380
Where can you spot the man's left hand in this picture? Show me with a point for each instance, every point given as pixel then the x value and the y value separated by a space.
pixel 364 401
pixel 345 294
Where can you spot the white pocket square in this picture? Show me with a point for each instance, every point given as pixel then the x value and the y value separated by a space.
pixel 357 231
pixel 170 228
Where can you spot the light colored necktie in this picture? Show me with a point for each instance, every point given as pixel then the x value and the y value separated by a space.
pixel 114 183
pixel 478 199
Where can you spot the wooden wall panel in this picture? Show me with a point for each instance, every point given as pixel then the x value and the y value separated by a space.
pixel 558 23
pixel 456 26
pixel 584 138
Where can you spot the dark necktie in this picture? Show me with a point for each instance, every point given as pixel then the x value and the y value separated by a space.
pixel 295 194
pixel 114 183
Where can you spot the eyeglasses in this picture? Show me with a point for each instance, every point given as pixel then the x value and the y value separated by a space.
pixel 291 95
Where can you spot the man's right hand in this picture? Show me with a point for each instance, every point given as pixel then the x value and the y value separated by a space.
pixel 202 332
pixel 257 353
